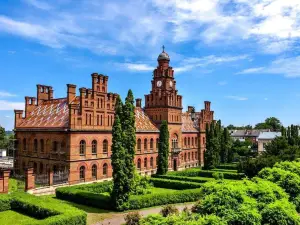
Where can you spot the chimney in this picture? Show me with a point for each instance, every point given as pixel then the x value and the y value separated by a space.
pixel 138 103
pixel 71 94
pixel 18 117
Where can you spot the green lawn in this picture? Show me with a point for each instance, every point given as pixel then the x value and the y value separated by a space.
pixel 10 217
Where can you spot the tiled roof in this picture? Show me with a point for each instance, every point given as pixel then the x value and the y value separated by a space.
pixel 50 114
pixel 143 122
pixel 187 124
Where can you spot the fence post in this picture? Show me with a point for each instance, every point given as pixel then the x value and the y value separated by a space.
pixel 50 174
pixel 29 179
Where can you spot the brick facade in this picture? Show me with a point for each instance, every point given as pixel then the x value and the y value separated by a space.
pixel 74 133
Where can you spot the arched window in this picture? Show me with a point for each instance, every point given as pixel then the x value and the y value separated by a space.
pixel 98 103
pixel 82 173
pixel 105 146
pixel 98 120
pixel 35 145
pixel 101 120
pixel 90 119
pixel 151 144
pixel 185 141
pixel 189 156
pixel 24 144
pixel 189 142
pixel 185 156
pixel 105 169
pixel 94 147
pixel 145 145
pixel 54 146
pixel 139 145
pixel 192 155
pixel 139 164
pixel 82 146
pixel 192 141
pixel 157 144
pixel 145 163
pixel 42 145
pixel 94 171
pixel 151 162
pixel 196 155
pixel 175 141
pixel 196 141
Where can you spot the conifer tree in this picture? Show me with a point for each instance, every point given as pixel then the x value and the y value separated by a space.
pixel 163 149
pixel 208 154
pixel 119 194
pixel 129 139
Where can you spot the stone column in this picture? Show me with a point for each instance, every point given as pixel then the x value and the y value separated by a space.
pixel 29 179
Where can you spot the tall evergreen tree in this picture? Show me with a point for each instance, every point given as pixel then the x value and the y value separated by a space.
pixel 226 147
pixel 129 139
pixel 119 194
pixel 163 149
pixel 208 154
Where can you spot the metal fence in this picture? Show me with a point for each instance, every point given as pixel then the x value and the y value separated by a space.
pixel 41 180
pixel 60 177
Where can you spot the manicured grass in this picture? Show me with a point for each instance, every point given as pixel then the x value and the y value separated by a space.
pixel 10 217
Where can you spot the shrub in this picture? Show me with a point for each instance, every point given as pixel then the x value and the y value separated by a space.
pixel 174 184
pixel 132 218
pixel 227 166
pixel 293 167
pixel 280 212
pixel 218 176
pixel 169 210
pixel 141 185
pixel 4 202
pixel 182 178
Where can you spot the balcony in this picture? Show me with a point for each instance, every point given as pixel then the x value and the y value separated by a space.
pixel 176 150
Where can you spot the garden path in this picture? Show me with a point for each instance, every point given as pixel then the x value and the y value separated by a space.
pixel 118 218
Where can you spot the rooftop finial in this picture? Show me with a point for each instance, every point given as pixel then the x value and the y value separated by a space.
pixel 163 47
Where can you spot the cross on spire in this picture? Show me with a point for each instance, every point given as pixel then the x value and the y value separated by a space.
pixel 163 47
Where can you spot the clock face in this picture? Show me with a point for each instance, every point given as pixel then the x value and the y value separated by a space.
pixel 159 83
pixel 171 83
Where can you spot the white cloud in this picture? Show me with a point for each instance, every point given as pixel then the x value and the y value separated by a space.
pixel 136 66
pixel 238 98
pixel 266 99
pixel 7 105
pixel 39 4
pixel 288 67
pixel 11 52
pixel 6 94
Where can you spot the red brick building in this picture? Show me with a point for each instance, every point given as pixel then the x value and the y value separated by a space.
pixel 74 133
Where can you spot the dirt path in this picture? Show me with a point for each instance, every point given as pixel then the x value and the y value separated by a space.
pixel 118 218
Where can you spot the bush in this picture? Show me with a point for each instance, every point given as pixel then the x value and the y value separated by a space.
pixel 132 218
pixel 218 176
pixel 174 184
pixel 141 185
pixel 293 167
pixel 169 210
pixel 227 166
pixel 280 212
pixel 182 178
pixel 4 202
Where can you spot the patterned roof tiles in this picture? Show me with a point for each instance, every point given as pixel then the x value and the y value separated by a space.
pixel 143 122
pixel 187 124
pixel 50 114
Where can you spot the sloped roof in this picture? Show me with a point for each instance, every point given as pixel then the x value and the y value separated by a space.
pixel 269 135
pixel 143 122
pixel 49 114
pixel 187 124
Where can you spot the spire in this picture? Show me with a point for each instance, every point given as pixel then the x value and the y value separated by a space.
pixel 163 47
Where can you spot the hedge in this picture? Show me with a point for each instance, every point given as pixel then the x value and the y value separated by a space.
pixel 189 179
pixel 174 184
pixel 196 172
pixel 47 211
pixel 227 166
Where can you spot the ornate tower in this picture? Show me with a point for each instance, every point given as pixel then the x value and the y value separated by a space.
pixel 163 102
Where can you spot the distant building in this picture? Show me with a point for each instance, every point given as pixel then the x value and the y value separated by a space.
pixel 247 134
pixel 265 138
pixel 2 153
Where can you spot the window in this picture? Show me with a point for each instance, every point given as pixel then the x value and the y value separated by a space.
pixel 196 155
pixel 98 120
pixel 24 144
pixel 105 146
pixel 101 119
pixel 189 156
pixel 63 146
pixel 185 141
pixel 139 164
pixel 192 141
pixel 82 146
pixel 185 156
pixel 105 169
pixel 90 119
pixel 151 144
pixel 35 145
pixel 192 155
pixel 145 162
pixel 151 162
pixel 82 173
pixel 175 141
pixel 41 168
pixel 157 142
pixel 54 146
pixel 196 141
pixel 145 144
pixel 94 147
pixel 42 145
pixel 139 145
pixel 189 142
pixel 94 171
pixel 34 167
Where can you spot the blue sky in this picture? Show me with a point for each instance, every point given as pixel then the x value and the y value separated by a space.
pixel 242 55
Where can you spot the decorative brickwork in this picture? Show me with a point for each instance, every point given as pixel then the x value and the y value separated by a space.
pixel 4 181
pixel 74 133
pixel 29 179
